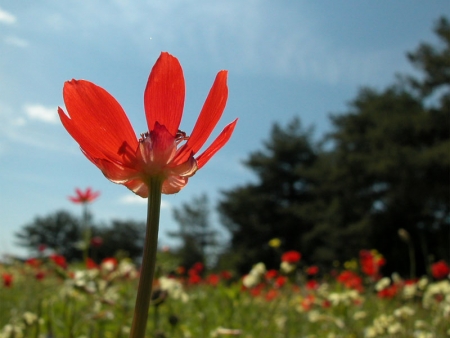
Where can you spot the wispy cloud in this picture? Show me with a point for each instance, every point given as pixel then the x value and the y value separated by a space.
pixel 136 200
pixel 15 41
pixel 41 113
pixel 6 17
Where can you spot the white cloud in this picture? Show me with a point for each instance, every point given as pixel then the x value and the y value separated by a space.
pixel 137 200
pixel 6 17
pixel 41 113
pixel 15 41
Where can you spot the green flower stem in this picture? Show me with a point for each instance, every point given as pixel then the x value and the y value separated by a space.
pixel 86 233
pixel 148 260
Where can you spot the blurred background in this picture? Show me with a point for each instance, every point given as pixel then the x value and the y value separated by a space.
pixel 342 139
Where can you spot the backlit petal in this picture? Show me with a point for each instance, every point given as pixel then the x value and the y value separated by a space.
pixel 218 143
pixel 96 120
pixel 174 184
pixel 164 94
pixel 138 187
pixel 209 116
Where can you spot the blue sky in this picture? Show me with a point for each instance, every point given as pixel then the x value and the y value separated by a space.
pixel 285 59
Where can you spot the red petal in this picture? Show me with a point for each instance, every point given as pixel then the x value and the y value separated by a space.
pixel 164 94
pixel 174 184
pixel 138 187
pixel 97 121
pixel 209 116
pixel 218 143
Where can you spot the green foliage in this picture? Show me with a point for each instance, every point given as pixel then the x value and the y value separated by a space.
pixel 120 238
pixel 59 231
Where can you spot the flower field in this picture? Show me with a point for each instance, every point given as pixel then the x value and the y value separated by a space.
pixel 46 297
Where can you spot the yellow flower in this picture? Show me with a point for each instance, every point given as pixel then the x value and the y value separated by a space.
pixel 275 242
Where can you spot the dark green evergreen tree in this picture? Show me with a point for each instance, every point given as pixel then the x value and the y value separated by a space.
pixel 276 205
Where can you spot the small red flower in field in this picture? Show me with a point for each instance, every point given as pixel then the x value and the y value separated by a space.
pixel 256 291
pixel 197 267
pixel 33 262
pixel 194 279
pixel 271 295
pixel 271 274
pixel 100 126
pixel 226 275
pixel 96 241
pixel 388 292
pixel 312 284
pixel 90 264
pixel 42 247
pixel 39 275
pixel 86 196
pixel 351 280
pixel 440 269
pixel 371 262
pixel 280 281
pixel 291 257
pixel 7 279
pixel 213 279
pixel 59 260
pixel 308 302
pixel 312 270
pixel 109 263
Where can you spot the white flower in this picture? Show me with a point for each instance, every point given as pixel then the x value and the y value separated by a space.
pixel 30 318
pixel 359 315
pixel 404 312
pixel 287 267
pixel 383 283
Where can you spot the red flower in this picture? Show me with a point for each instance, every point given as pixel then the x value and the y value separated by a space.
pixel 39 275
pixel 280 281
pixel 96 241
pixel 271 295
pixel 351 280
pixel 271 274
pixel 308 302
pixel 312 270
pixel 213 279
pixel 291 257
pixel 197 268
pixel 226 275
pixel 99 125
pixel 312 284
pixel 109 263
pixel 7 279
pixel 370 262
pixel 87 196
pixel 440 269
pixel 59 260
pixel 90 264
pixel 194 278
pixel 33 262
pixel 388 292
